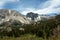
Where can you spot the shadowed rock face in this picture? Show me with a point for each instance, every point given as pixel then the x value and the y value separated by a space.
pixel 6 15
pixel 32 15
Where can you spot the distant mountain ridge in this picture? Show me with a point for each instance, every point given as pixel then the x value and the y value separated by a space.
pixel 37 17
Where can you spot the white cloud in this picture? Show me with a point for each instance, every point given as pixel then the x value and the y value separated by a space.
pixel 50 9
pixel 9 0
pixel 45 4
pixel 45 10
pixel 2 2
pixel 14 0
pixel 55 3
pixel 27 10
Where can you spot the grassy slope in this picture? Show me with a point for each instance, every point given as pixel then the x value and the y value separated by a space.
pixel 27 37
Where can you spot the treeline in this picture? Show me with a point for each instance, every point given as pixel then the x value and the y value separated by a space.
pixel 44 29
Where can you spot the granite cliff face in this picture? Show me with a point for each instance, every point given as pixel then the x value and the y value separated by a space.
pixel 6 15
pixel 33 16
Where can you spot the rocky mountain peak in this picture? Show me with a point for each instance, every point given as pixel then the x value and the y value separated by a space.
pixel 6 15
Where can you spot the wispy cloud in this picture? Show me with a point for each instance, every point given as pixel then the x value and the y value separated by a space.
pixel 4 3
pixel 25 6
pixel 9 0
pixel 51 8
pixel 1 4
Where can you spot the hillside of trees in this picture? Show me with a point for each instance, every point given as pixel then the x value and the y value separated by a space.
pixel 43 29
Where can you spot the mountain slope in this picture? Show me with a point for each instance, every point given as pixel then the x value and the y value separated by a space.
pixel 6 15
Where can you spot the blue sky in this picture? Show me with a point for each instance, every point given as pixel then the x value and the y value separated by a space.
pixel 36 6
